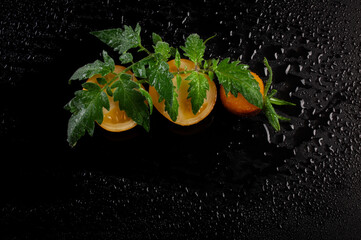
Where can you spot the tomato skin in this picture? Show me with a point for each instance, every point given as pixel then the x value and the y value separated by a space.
pixel 185 114
pixel 239 105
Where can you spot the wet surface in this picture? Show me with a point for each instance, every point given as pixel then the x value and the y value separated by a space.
pixel 226 178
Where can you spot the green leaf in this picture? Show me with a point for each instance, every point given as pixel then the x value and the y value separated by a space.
pixel 194 48
pixel 211 75
pixel 97 67
pixel 236 78
pixel 126 58
pixel 101 81
pixel 121 40
pixel 214 64
pixel 205 64
pixel 197 90
pixel 156 38
pixel 179 80
pixel 89 70
pixel 162 48
pixel 161 79
pixel 280 102
pixel 283 118
pixel 172 109
pixel 269 81
pixel 139 70
pixel 148 97
pixel 272 93
pixel 132 101
pixel 271 114
pixel 86 107
pixel 109 91
pixel 108 61
pixel 177 59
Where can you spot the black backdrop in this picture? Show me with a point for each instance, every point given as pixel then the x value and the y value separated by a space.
pixel 225 178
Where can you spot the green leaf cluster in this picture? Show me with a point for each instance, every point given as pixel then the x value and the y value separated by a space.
pixel 236 78
pixel 269 111
pixel 97 67
pixel 86 107
pixel 194 48
pixel 88 104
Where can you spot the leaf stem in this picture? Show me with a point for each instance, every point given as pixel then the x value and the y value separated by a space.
pixel 190 71
pixel 117 75
pixel 142 48
pixel 209 38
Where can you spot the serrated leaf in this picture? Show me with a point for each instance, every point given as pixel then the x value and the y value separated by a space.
pixel 108 61
pixel 162 48
pixel 205 65
pixel 172 110
pixel 121 40
pixel 89 70
pixel 97 67
pixel 161 79
pixel 271 114
pixel 179 80
pixel 132 101
pixel 177 59
pixel 194 48
pixel 156 38
pixel 214 64
pixel 197 91
pixel 126 58
pixel 86 107
pixel 148 97
pixel 211 75
pixel 102 81
pixel 109 91
pixel 139 70
pixel 236 78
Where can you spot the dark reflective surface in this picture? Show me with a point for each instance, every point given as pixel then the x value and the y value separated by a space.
pixel 225 178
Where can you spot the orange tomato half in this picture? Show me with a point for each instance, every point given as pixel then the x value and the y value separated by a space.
pixel 114 120
pixel 185 114
pixel 239 105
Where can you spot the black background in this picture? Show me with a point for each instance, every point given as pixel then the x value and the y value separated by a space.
pixel 225 178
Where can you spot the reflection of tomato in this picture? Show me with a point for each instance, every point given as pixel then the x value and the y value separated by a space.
pixel 114 120
pixel 239 105
pixel 185 114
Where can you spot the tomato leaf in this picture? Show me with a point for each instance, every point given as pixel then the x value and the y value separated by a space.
pixel 148 97
pixel 161 79
pixel 236 78
pixel 97 67
pixel 86 107
pixel 131 100
pixel 126 58
pixel 194 48
pixel 121 40
pixel 139 70
pixel 163 50
pixel 172 110
pixel 280 102
pixel 197 91
pixel 156 38
pixel 177 59
pixel 179 80
pixel 271 114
